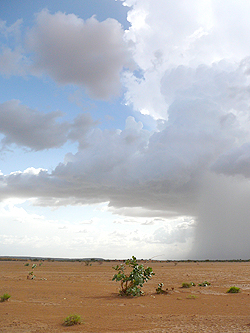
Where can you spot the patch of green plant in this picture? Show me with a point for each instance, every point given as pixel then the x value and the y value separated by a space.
pixel 186 285
pixel 31 276
pixel 204 284
pixel 159 289
pixel 233 290
pixel 5 297
pixel 72 320
pixel 132 281
pixel 191 297
pixel 27 264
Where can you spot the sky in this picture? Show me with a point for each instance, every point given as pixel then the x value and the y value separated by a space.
pixel 125 129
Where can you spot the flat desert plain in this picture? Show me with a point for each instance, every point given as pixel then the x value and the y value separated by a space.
pixel 64 288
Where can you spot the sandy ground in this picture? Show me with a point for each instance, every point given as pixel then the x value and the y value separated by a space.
pixel 64 288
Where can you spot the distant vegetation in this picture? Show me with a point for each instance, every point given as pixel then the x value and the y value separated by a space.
pixel 72 320
pixel 159 289
pixel 50 259
pixel 188 285
pixel 204 284
pixel 233 290
pixel 10 258
pixel 192 296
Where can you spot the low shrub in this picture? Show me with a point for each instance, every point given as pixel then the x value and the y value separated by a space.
pixel 186 285
pixel 159 289
pixel 204 284
pixel 5 297
pixel 72 320
pixel 233 290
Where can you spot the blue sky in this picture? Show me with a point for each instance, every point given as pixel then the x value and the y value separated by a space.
pixel 124 129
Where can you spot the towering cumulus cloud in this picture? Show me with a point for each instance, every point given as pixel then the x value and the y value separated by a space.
pixel 194 74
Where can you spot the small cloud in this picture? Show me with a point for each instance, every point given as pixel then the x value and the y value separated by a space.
pixel 148 222
pixel 82 231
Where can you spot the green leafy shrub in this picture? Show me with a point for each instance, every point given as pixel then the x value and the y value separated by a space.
pixel 233 290
pixel 31 275
pixel 132 282
pixel 72 320
pixel 204 284
pixel 27 264
pixel 5 297
pixel 186 285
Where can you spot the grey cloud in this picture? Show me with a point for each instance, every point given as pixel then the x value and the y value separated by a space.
pixel 158 170
pixel 223 82
pixel 91 54
pixel 136 211
pixel 81 125
pixel 234 162
pixel 35 130
pixel 149 171
pixel 30 128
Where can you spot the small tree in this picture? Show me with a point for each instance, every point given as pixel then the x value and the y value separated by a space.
pixel 132 282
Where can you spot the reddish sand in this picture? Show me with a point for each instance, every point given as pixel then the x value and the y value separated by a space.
pixel 64 288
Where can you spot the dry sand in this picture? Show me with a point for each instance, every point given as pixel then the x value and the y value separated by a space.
pixel 64 288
